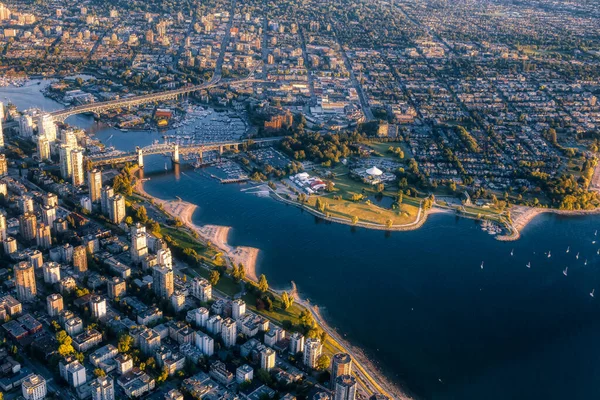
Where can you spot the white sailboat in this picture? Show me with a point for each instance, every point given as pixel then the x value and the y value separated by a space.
pixel 565 271
pixel 577 256
pixel 512 252
pixel 549 254
pixel 585 263
pixel 568 248
pixel 528 265
pixel 593 242
pixel 592 293
pixel 482 265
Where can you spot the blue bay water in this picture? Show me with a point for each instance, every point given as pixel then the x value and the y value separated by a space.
pixel 418 302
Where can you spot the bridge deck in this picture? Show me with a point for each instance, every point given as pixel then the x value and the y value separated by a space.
pixel 171 147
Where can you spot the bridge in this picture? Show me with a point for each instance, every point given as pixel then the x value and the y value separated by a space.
pixel 175 150
pixel 97 108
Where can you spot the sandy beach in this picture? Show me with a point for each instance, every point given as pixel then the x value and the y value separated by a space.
pixel 215 234
pixel 521 216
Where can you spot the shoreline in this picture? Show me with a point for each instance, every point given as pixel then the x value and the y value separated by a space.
pixel 524 215
pixel 418 223
pixel 217 235
pixel 361 361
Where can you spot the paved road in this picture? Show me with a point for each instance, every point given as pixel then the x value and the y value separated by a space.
pixel 225 43
pixel 361 94
pixel 311 82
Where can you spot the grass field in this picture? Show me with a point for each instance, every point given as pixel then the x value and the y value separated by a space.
pixel 277 314
pixel 367 212
pixel 184 238
pixel 225 285
pixel 382 148
pixel 346 208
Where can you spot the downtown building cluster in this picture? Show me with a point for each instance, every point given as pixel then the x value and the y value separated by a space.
pixel 113 312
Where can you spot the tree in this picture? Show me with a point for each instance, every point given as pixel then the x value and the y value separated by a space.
pixel 79 357
pixel 63 338
pixel 151 363
pixel 98 372
pixel 268 303
pixel 400 197
pixel 354 219
pixel 81 292
pixel 263 285
pixel 320 204
pixel 552 135
pixel 125 342
pixel 65 350
pixel 129 220
pixel 214 277
pixel 238 272
pixel 141 214
pixel 428 202
pixel 307 320
pixel 55 326
pixel 264 376
pixel 163 376
pixel 323 362
pixel 154 227
pixel 389 223
pixel 287 300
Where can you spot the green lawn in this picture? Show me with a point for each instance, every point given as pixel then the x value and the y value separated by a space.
pixel 277 314
pixel 382 149
pixel 367 212
pixel 184 238
pixel 346 208
pixel 225 284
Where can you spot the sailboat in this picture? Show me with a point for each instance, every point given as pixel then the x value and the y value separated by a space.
pixel 568 249
pixel 482 265
pixel 512 252
pixel 565 271
pixel 577 256
pixel 585 263
pixel 598 252
pixel 528 265
pixel 166 167
pixel 596 233
pixel 549 254
pixel 592 293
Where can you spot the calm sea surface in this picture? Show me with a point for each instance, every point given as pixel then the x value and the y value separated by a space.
pixel 418 302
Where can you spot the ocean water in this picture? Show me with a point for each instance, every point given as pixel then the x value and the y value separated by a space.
pixel 418 302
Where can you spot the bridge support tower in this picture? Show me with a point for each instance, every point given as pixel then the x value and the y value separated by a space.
pixel 140 156
pixel 175 157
